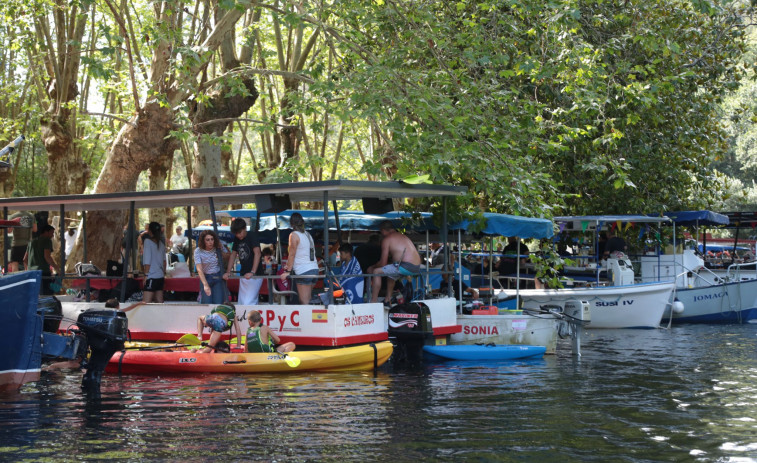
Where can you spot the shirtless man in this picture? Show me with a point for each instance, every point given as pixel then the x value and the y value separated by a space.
pixel 405 260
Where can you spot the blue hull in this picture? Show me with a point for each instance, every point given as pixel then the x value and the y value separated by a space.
pixel 20 329
pixel 730 317
pixel 475 352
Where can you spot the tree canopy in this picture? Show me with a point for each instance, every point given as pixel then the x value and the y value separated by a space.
pixel 540 108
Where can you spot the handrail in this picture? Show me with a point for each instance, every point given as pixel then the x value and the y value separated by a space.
pixel 738 267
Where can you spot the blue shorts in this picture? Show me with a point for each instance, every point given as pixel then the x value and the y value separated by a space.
pixel 216 323
pixel 307 281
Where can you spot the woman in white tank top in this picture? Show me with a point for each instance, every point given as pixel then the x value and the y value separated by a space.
pixel 301 258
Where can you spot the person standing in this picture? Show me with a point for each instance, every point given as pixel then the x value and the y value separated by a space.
pixel 301 258
pixel 209 264
pixel 70 238
pixel 247 247
pixel 39 256
pixel 154 264
pixel 514 255
pixel 614 244
pixel 20 238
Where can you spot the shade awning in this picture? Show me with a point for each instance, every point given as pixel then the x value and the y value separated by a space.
pixel 331 190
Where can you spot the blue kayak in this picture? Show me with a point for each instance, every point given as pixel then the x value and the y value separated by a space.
pixel 486 352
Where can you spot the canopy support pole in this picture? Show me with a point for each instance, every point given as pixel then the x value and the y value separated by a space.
pixel 129 242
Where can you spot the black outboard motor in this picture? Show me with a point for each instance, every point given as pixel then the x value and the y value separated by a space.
pixel 52 313
pixel 106 331
pixel 410 326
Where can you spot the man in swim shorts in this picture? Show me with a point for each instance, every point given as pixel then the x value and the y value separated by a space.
pixel 405 260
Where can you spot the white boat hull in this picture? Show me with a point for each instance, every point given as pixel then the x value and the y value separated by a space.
pixel 305 325
pixel 631 306
pixel 508 329
pixel 734 302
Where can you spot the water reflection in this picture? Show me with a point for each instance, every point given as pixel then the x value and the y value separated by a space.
pixel 685 394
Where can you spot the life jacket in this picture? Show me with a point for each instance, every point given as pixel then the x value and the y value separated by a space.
pixel 255 344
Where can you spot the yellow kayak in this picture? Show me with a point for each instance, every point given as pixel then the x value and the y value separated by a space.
pixel 182 361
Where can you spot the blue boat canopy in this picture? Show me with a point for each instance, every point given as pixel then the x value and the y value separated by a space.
pixel 691 218
pixel 510 225
pixel 496 224
pixel 348 220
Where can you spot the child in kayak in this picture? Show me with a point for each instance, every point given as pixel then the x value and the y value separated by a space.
pixel 260 338
pixel 219 320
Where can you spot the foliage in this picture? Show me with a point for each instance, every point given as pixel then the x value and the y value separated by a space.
pixel 600 106
pixel 548 264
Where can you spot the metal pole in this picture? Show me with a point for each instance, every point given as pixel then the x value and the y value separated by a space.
pixel 6 243
pixel 88 287
pixel 61 231
pixel 190 259
pixel 327 281
pixel 129 241
pixel 218 251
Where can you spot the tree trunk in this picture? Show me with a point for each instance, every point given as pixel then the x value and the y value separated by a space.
pixel 135 149
pixel 67 173
pixel 208 164
pixel 287 143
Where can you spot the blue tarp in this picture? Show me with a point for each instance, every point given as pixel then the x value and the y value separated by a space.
pixel 496 224
pixel 348 220
pixel 722 247
pixel 511 225
pixel 690 218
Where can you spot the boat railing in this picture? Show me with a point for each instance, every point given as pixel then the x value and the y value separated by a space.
pixel 327 277
pixel 734 270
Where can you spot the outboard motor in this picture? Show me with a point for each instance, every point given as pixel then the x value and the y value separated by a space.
pixel 106 331
pixel 410 326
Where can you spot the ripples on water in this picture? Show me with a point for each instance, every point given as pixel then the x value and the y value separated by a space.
pixel 689 394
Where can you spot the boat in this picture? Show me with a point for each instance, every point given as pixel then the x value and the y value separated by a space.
pixel 180 361
pixel 485 352
pixel 615 301
pixel 703 295
pixel 639 305
pixel 21 328
pixel 500 323
pixel 329 322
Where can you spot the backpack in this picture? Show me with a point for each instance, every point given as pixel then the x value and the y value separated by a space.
pixel 283 285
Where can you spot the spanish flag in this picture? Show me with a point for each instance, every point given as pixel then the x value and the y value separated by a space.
pixel 320 315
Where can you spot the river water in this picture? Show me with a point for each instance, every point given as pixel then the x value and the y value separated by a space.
pixel 687 394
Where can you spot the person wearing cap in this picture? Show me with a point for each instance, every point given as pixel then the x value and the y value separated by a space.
pixel 70 237
pixel 39 256
pixel 220 319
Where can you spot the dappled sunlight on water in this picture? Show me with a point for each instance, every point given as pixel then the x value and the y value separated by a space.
pixel 651 395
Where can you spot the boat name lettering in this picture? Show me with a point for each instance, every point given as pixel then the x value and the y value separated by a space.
pixel 705 297
pixel 606 303
pixel 403 315
pixel 270 317
pixel 480 329
pixel 358 320
pixel 187 360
